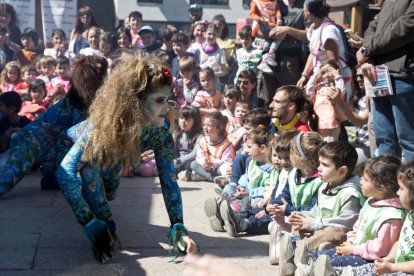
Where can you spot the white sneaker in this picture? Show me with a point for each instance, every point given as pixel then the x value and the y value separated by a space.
pixel 274 242
pixel 196 177
pixel 323 266
pixel 303 260
pixel 286 265
pixel 184 175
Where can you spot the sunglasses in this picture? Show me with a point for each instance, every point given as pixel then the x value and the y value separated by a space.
pixel 84 15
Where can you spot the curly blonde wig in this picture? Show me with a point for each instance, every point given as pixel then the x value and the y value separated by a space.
pixel 117 113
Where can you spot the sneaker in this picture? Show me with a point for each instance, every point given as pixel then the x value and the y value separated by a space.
pixel 347 271
pixel 221 181
pixel 286 265
pixel 325 246
pixel 274 242
pixel 184 176
pixel 301 253
pixel 264 67
pixel 323 266
pixel 304 270
pixel 211 208
pixel 196 177
pixel 303 260
pixel 232 221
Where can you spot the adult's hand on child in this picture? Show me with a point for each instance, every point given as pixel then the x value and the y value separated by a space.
pixel 279 32
pixel 381 266
pixel 335 95
pixel 302 82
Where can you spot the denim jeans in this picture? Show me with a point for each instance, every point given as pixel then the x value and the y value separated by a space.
pixel 394 120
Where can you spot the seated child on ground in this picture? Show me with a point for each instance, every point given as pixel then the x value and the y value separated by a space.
pixel 252 185
pixel 400 260
pixel 339 202
pixel 256 220
pixel 32 109
pixel 255 118
pixel 186 136
pixel 10 76
pixel 301 189
pixel 214 151
pixel 377 228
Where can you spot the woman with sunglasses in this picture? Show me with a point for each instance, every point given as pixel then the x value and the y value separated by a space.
pixel 247 82
pixel 78 37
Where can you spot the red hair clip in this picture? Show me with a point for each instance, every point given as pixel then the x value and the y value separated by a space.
pixel 166 72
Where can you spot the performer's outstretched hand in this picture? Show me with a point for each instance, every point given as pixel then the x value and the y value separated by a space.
pixel 191 246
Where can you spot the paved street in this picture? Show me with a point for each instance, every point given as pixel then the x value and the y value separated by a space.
pixel 39 234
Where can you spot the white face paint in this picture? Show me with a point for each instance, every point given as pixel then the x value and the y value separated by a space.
pixel 156 106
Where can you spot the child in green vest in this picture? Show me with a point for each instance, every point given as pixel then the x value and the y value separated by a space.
pixel 400 260
pixel 376 229
pixel 340 198
pixel 339 202
pixel 255 220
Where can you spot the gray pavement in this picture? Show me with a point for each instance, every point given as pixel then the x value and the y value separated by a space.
pixel 39 234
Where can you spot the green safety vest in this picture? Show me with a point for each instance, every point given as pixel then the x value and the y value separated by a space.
pixel 371 218
pixel 257 177
pixel 301 194
pixel 274 176
pixel 405 250
pixel 330 205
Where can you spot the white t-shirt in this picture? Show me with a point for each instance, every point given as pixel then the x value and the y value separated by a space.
pixel 316 44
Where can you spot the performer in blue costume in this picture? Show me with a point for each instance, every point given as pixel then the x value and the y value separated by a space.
pixel 34 143
pixel 126 118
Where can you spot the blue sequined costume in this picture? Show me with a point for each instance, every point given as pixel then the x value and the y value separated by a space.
pixel 88 187
pixel 34 143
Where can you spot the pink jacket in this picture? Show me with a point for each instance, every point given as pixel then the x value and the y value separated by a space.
pixel 387 235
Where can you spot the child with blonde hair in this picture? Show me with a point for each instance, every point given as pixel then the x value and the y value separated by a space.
pixel 10 76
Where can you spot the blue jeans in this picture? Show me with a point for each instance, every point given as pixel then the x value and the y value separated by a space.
pixel 394 120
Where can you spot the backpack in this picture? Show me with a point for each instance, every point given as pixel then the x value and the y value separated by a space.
pixel 350 52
